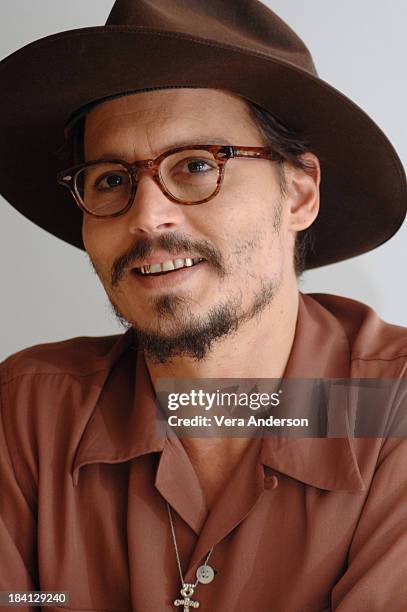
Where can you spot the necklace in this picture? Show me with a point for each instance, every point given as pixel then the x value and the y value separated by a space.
pixel 204 574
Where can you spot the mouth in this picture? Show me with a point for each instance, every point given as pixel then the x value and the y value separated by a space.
pixel 166 267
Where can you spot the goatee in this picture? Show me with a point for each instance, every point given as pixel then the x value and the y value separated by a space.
pixel 189 335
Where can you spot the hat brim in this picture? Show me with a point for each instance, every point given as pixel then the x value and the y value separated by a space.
pixel 363 186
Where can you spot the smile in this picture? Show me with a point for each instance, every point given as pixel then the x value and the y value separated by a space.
pixel 168 266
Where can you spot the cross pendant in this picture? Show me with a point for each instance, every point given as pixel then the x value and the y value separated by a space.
pixel 187 591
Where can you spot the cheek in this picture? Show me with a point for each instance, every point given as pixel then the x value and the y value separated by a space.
pixel 98 244
pixel 247 229
pixel 251 251
pixel 89 230
pixel 242 230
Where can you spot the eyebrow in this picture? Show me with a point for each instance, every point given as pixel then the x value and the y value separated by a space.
pixel 197 139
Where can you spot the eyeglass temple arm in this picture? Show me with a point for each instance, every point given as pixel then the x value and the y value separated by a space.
pixel 253 152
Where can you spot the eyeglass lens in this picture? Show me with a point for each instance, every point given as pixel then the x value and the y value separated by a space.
pixel 105 188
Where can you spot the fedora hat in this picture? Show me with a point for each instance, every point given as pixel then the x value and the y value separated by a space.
pixel 236 45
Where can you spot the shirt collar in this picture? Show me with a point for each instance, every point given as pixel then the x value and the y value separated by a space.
pixel 122 425
pixel 320 351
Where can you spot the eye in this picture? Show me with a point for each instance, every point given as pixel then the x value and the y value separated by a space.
pixel 196 166
pixel 111 180
pixel 191 167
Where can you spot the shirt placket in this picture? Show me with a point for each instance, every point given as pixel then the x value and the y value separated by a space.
pixel 184 494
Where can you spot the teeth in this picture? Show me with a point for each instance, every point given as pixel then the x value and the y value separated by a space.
pixel 166 266
pixel 155 268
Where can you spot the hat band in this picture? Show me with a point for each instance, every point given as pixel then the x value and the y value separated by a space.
pixel 86 108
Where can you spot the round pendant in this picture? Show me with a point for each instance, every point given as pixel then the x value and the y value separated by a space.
pixel 205 574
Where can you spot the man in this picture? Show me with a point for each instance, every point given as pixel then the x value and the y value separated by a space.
pixel 195 193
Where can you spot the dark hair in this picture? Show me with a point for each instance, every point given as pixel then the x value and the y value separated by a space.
pixel 289 145
pixel 286 142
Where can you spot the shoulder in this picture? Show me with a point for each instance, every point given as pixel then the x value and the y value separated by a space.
pixel 370 337
pixel 76 357
pixel 49 391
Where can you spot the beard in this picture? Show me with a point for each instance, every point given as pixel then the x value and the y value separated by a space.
pixel 177 331
pixel 180 333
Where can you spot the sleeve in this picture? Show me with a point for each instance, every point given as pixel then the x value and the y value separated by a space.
pixel 376 576
pixel 18 566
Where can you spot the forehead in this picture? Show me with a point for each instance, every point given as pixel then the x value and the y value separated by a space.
pixel 156 119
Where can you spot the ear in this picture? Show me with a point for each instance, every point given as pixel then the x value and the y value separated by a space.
pixel 302 189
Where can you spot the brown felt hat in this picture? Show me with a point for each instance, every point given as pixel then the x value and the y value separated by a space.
pixel 235 45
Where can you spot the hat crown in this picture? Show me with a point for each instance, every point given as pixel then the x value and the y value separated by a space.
pixel 243 23
pixel 234 45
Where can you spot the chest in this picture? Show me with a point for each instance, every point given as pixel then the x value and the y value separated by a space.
pixel 112 547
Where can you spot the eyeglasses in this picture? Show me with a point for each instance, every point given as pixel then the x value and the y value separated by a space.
pixel 187 175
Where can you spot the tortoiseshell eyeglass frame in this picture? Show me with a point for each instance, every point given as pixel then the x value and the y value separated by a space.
pixel 221 153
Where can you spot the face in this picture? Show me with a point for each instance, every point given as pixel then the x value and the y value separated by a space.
pixel 239 240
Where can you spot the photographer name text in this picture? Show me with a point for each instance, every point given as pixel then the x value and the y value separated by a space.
pixel 222 421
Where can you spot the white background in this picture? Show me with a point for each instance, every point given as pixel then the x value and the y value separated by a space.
pixel 48 290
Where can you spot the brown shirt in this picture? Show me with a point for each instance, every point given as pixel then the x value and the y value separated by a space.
pixel 304 525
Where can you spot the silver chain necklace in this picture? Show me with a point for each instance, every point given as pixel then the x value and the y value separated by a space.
pixel 204 574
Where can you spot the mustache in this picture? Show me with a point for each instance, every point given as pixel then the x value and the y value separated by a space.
pixel 174 244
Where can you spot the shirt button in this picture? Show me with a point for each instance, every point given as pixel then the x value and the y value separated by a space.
pixel 271 482
pixel 205 574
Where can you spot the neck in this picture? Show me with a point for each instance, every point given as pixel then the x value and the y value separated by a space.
pixel 259 349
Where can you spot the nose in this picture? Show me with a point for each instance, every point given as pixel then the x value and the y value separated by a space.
pixel 152 211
